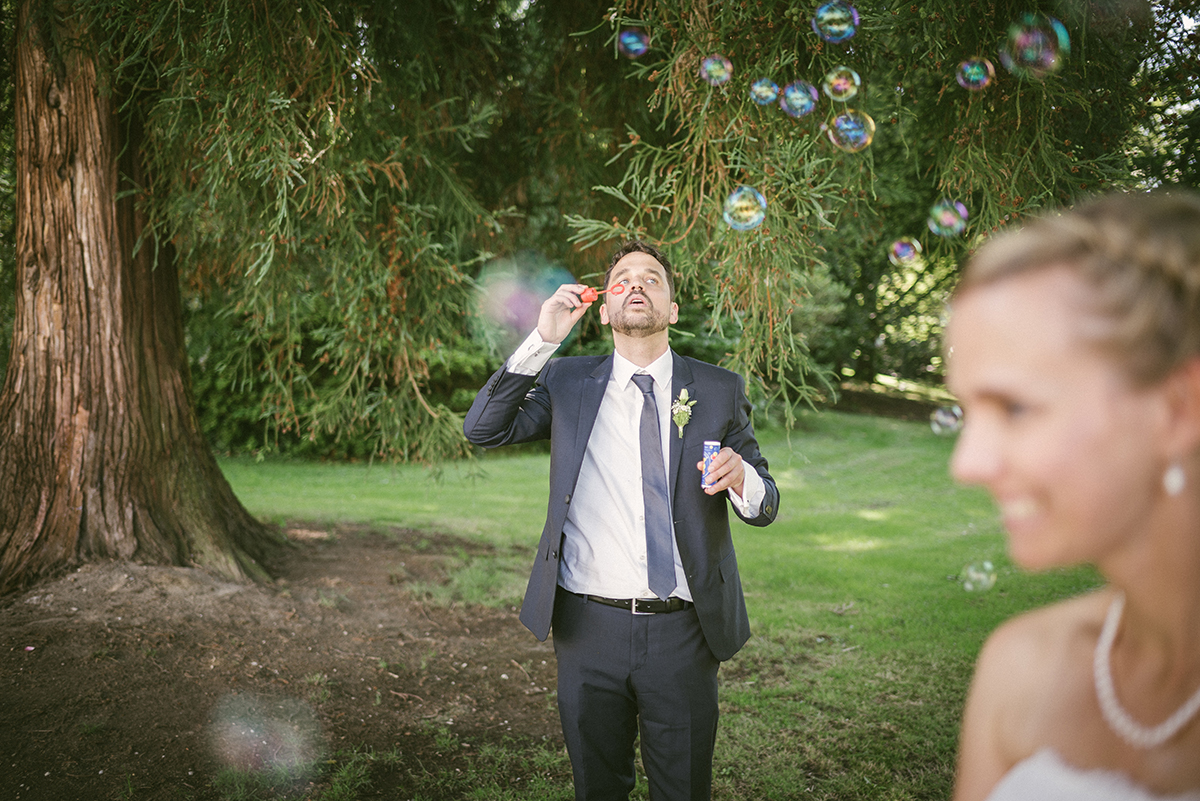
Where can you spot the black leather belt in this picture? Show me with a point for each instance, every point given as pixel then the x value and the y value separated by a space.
pixel 642 606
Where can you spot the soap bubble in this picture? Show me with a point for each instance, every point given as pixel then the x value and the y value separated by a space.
pixel 273 736
pixel 508 298
pixel 851 130
pixel 948 217
pixel 633 42
pixel 904 250
pixel 1037 46
pixel 835 21
pixel 975 74
pixel 946 420
pixel 841 84
pixel 799 98
pixel 764 91
pixel 978 576
pixel 745 208
pixel 716 69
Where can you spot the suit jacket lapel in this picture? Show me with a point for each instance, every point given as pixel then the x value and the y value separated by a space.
pixel 590 395
pixel 681 378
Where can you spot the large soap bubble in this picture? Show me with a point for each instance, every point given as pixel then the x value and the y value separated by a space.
pixel 841 84
pixel 851 130
pixel 633 42
pixel 835 21
pixel 948 217
pixel 975 74
pixel 946 420
pixel 904 250
pixel 798 98
pixel 978 576
pixel 764 91
pixel 257 733
pixel 1037 46
pixel 745 208
pixel 716 69
pixel 509 296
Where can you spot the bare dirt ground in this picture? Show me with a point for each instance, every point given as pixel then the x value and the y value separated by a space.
pixel 130 681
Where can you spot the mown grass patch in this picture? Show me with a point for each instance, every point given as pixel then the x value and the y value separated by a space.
pixel 865 637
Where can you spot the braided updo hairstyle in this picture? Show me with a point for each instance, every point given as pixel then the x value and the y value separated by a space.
pixel 1141 255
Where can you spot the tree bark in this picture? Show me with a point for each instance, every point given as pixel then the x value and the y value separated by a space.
pixel 101 454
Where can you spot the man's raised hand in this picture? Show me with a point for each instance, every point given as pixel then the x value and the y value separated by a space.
pixel 560 312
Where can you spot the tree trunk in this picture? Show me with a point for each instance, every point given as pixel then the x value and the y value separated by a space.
pixel 101 455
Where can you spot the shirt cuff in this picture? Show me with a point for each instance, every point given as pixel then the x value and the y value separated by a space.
pixel 753 492
pixel 532 355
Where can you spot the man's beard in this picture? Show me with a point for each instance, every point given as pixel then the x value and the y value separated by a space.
pixel 634 323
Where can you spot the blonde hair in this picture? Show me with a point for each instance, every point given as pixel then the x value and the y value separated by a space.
pixel 1141 255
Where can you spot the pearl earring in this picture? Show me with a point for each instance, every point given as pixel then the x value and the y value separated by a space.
pixel 1174 479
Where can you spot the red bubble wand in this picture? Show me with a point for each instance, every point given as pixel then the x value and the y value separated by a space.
pixel 590 295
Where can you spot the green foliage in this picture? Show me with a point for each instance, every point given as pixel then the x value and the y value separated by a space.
pixel 1020 146
pixel 302 162
pixel 332 177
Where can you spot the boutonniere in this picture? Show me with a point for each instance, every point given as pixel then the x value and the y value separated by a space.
pixel 681 410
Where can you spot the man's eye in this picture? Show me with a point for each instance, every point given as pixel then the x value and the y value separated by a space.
pixel 1013 409
pixel 651 280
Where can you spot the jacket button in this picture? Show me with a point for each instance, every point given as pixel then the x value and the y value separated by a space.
pixel 768 509
pixel 554 554
pixel 567 499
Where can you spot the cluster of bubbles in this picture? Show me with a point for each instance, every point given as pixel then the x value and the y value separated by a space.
pixel 255 733
pixel 1036 46
pixel 978 576
pixel 946 420
pixel 947 217
pixel 848 130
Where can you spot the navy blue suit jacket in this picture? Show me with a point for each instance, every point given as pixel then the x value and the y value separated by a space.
pixel 561 404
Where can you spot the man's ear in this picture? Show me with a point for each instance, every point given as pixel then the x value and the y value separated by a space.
pixel 674 316
pixel 604 313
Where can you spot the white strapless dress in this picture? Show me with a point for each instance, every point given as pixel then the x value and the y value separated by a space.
pixel 1045 777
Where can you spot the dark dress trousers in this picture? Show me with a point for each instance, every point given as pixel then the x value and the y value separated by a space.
pixel 562 404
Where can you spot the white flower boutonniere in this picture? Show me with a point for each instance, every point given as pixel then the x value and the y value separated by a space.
pixel 681 410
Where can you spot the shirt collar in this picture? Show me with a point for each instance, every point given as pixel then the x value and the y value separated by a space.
pixel 661 368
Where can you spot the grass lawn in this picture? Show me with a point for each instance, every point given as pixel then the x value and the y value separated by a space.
pixel 865 637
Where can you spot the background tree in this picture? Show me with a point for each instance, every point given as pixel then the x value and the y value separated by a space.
pixel 325 181
pixel 1020 144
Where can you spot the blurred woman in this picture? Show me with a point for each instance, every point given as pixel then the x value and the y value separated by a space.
pixel 1074 349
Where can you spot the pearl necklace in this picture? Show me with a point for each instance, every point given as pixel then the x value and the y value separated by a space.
pixel 1124 726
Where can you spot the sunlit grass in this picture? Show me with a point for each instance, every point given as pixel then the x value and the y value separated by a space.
pixel 864 639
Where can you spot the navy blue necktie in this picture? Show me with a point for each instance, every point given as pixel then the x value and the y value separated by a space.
pixel 660 556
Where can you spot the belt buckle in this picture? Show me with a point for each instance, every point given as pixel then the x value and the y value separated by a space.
pixel 633 608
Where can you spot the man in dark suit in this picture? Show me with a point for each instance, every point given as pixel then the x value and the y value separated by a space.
pixel 635 570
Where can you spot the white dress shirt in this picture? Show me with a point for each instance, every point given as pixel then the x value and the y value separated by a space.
pixel 604 550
